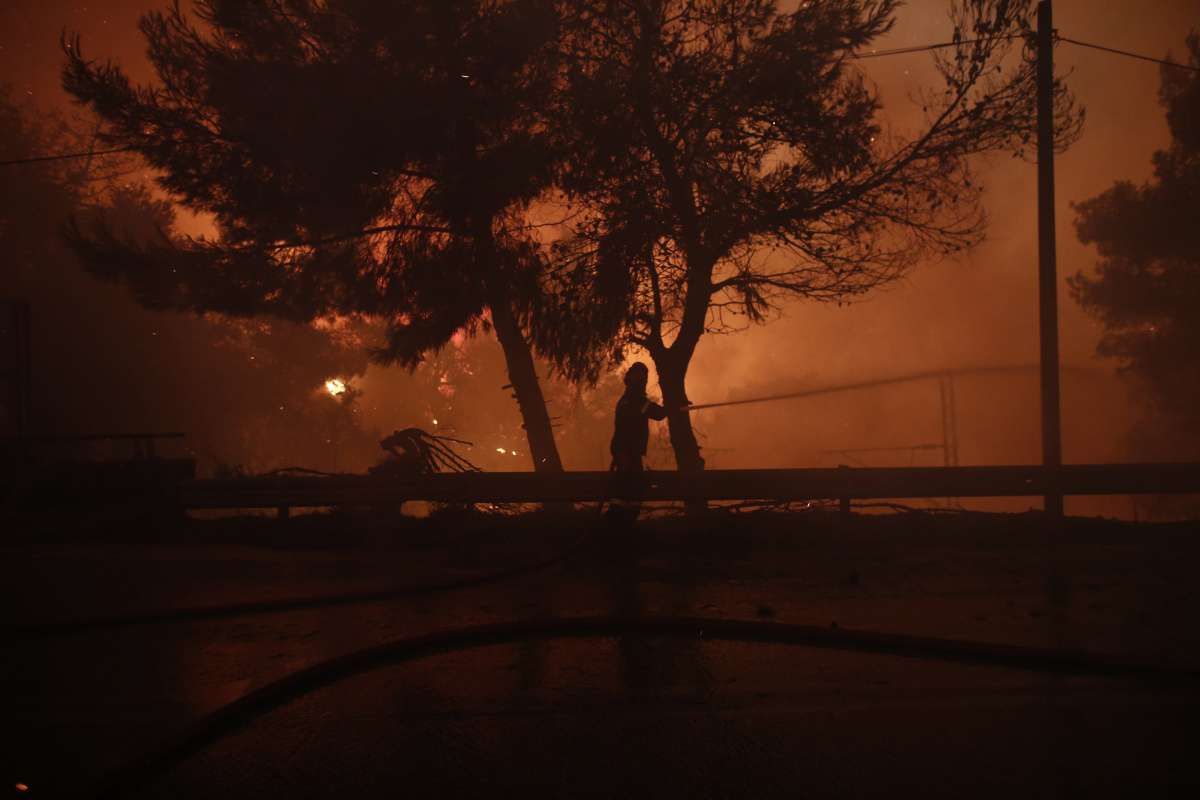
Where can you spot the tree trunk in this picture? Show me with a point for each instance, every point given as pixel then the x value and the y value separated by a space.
pixel 518 357
pixel 671 379
pixel 679 422
pixel 530 400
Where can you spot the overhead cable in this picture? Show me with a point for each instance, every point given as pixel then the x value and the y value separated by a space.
pixel 64 156
pixel 899 51
pixel 1128 54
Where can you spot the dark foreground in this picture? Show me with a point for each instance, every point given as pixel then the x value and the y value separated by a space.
pixel 615 715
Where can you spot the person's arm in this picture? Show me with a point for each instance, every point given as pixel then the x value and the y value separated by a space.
pixel 654 411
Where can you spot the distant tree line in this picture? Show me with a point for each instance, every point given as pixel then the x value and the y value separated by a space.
pixel 1146 287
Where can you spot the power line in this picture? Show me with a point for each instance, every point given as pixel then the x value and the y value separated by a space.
pixel 854 56
pixel 64 156
pixel 1128 54
pixel 900 51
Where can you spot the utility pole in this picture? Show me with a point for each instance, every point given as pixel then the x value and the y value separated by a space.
pixel 1047 262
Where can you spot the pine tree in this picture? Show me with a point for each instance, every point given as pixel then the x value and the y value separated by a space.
pixel 1146 287
pixel 726 155
pixel 363 159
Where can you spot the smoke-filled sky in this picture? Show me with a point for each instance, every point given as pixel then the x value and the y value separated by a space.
pixel 979 309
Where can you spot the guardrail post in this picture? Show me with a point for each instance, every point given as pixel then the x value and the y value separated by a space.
pixel 284 512
pixel 844 502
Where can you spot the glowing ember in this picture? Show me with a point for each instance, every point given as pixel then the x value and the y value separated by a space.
pixel 435 422
pixel 22 787
pixel 501 450
pixel 335 386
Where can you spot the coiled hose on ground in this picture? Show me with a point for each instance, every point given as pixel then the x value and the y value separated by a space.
pixel 235 716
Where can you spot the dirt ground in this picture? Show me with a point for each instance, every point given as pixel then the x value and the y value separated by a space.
pixel 603 716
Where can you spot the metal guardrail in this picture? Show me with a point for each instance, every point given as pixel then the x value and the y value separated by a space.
pixel 842 483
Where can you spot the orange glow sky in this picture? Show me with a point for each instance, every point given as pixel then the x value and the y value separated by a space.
pixel 975 310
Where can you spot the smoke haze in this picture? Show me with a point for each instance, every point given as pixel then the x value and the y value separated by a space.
pixel 976 310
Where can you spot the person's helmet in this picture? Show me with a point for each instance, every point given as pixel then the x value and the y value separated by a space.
pixel 637 374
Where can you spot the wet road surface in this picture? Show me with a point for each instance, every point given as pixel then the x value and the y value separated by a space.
pixel 620 716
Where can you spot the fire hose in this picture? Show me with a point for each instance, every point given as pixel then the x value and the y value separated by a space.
pixel 235 716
